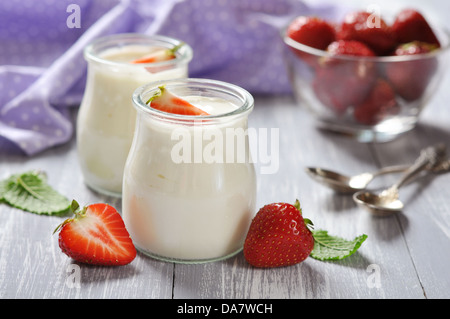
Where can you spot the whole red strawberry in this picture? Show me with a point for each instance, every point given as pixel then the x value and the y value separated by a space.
pixel 368 28
pixel 349 47
pixel 410 78
pixel 278 236
pixel 341 83
pixel 96 235
pixel 311 31
pixel 410 25
pixel 379 103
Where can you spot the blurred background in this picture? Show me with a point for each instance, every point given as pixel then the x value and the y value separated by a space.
pixel 42 69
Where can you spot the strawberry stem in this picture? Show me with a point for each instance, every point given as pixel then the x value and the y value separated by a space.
pixel 75 209
pixel 173 51
pixel 159 93
pixel 308 223
pixel 297 205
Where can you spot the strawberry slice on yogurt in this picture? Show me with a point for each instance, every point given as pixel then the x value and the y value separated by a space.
pixel 166 101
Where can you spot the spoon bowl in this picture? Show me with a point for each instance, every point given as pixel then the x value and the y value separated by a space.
pixel 387 202
pixel 377 204
pixel 349 184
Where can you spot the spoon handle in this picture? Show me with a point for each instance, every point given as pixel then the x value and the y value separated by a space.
pixel 428 157
pixel 392 169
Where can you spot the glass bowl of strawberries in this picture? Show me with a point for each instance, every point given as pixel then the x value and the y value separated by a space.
pixel 362 76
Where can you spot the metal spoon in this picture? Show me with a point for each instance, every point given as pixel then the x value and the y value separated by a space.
pixel 349 184
pixel 387 202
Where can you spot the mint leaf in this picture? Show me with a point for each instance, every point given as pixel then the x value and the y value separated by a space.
pixel 328 247
pixel 30 192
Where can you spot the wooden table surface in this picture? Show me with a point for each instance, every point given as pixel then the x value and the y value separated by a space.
pixel 404 256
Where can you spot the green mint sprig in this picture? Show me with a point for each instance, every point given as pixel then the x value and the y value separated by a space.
pixel 327 247
pixel 30 192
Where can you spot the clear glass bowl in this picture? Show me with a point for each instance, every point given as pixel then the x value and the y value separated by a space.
pixel 373 99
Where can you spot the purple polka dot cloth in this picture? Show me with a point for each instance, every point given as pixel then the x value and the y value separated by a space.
pixel 43 71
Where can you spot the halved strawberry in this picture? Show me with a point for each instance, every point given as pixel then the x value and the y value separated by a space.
pixel 159 55
pixel 96 235
pixel 166 101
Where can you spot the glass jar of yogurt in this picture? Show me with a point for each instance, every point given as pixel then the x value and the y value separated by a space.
pixel 106 118
pixel 189 186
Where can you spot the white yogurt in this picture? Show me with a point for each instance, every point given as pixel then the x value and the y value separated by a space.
pixel 107 117
pixel 191 211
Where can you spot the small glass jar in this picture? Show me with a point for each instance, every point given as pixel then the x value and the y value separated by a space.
pixel 106 118
pixel 189 187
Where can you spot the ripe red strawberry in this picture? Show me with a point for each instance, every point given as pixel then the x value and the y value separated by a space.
pixel 410 25
pixel 166 101
pixel 368 28
pixel 278 236
pixel 159 55
pixel 379 103
pixel 411 78
pixel 349 47
pixel 342 83
pixel 311 31
pixel 96 235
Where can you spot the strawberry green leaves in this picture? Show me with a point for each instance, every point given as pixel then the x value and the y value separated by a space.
pixel 327 247
pixel 29 191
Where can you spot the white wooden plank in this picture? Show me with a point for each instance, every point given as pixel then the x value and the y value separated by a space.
pixel 426 218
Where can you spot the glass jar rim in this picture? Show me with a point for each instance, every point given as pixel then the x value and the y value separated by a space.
pixel 91 51
pixel 203 85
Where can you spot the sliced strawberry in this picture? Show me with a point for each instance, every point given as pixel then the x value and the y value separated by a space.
pixel 96 235
pixel 166 101
pixel 159 55
pixel 410 25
